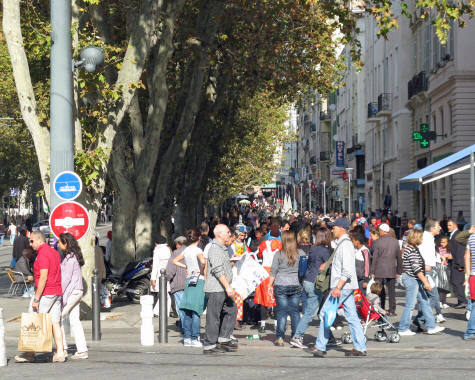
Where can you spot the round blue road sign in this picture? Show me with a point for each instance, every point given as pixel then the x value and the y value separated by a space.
pixel 67 185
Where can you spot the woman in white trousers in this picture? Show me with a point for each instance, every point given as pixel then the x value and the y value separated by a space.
pixel 71 282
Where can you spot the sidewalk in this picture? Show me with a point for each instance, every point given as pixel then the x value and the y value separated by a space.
pixel 119 354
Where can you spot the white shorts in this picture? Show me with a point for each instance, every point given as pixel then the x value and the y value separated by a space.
pixel 49 304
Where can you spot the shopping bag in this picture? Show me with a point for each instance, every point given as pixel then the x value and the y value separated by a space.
pixel 36 333
pixel 471 286
pixel 442 277
pixel 331 312
pixel 251 275
pixel 262 296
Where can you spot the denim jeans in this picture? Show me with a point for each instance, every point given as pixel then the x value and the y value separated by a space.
pixel 356 330
pixel 471 327
pixel 191 324
pixel 313 301
pixel 304 301
pixel 178 295
pixel 415 292
pixel 434 300
pixel 287 299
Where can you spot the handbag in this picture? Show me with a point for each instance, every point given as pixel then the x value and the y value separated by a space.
pixel 36 332
pixel 194 279
pixel 322 281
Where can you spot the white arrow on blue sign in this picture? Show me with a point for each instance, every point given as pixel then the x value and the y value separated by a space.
pixel 67 185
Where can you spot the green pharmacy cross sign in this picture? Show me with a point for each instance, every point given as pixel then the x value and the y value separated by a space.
pixel 424 136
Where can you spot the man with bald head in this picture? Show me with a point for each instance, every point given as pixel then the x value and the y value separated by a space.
pixel 222 311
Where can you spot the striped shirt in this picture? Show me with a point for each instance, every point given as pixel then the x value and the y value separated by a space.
pixel 471 247
pixel 412 261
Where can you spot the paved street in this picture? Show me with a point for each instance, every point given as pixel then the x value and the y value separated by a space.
pixel 119 354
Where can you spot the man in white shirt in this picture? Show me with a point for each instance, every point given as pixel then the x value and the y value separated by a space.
pixel 427 250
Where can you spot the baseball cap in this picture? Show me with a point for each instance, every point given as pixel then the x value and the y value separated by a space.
pixel 384 227
pixel 340 222
pixel 240 228
pixel 180 240
pixel 418 227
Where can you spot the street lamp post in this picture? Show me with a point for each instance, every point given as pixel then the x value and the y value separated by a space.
pixel 309 195
pixel 61 89
pixel 324 198
pixel 61 100
pixel 301 197
pixel 349 170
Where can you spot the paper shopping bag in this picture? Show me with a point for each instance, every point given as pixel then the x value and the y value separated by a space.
pixel 36 333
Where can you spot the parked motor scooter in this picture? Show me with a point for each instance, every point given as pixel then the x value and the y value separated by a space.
pixel 133 280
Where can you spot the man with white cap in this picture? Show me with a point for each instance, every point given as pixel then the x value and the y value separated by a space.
pixel 387 265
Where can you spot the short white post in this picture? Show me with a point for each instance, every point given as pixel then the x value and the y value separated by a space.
pixel 146 329
pixel 3 350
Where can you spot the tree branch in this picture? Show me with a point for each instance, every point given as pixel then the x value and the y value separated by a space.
pixel 26 96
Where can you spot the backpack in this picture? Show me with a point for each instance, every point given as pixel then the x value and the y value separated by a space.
pixel 322 281
pixel 360 266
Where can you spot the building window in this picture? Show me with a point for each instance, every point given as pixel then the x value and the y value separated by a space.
pixel 434 122
pixel 415 56
pixel 396 84
pixel 396 137
pixel 442 128
pixel 427 48
pixel 451 122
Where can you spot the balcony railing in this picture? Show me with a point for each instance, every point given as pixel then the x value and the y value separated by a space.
pixel 325 156
pixel 384 102
pixel 417 84
pixel 372 109
pixel 324 115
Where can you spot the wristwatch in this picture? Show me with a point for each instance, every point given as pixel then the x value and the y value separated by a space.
pixel 36 300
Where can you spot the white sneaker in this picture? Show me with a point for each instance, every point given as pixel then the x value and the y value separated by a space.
pixel 187 342
pixel 467 315
pixel 196 343
pixel 406 333
pixel 440 318
pixel 444 306
pixel 435 330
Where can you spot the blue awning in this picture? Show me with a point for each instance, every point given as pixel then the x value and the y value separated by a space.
pixel 452 164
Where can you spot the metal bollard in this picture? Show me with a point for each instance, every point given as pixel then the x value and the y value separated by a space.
pixel 96 306
pixel 3 349
pixel 163 313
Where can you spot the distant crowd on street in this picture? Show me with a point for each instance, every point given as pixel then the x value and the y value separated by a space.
pixel 362 258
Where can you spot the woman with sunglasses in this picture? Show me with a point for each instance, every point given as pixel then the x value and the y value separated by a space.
pixel 71 282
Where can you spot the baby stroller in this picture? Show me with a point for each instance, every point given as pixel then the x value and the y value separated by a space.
pixel 371 318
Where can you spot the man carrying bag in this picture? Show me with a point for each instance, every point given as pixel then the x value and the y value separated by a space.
pixel 342 284
pixel 35 333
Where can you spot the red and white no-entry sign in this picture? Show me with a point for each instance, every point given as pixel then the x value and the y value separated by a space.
pixel 69 217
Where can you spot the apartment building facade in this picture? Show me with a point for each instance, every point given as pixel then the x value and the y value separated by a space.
pixel 409 82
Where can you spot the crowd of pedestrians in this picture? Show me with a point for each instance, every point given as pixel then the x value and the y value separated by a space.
pixel 386 251
pixel 314 262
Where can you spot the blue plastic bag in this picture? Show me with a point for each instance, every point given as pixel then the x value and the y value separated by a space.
pixel 330 312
